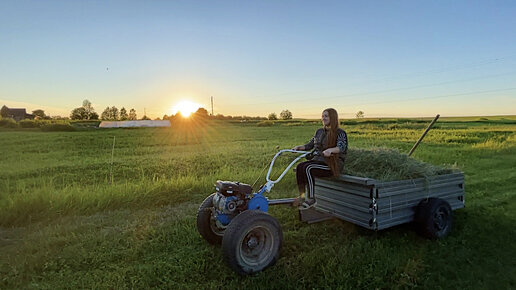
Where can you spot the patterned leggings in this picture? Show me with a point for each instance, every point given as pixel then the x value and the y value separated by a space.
pixel 305 173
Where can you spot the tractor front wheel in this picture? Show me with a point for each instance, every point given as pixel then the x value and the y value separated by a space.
pixel 252 242
pixel 207 224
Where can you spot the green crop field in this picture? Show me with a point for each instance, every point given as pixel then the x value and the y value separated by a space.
pixel 76 213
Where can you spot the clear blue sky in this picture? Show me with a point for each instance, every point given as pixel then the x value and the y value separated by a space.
pixel 386 58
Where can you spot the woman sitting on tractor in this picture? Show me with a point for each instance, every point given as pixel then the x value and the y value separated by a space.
pixel 331 145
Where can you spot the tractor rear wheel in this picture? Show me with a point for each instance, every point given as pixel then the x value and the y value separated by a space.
pixel 207 224
pixel 252 242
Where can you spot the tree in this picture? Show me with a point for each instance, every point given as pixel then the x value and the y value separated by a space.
pixel 106 114
pixel 94 116
pixel 123 114
pixel 145 117
pixel 110 114
pixel 113 113
pixel 201 112
pixel 78 114
pixel 286 115
pixel 39 113
pixel 132 115
pixel 85 112
pixel 359 114
pixel 272 116
pixel 90 112
pixel 5 112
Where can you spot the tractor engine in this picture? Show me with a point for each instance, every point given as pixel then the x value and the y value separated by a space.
pixel 231 197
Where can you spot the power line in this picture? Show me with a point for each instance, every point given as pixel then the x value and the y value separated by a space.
pixel 418 86
pixel 413 74
pixel 437 97
pixel 425 98
pixel 390 90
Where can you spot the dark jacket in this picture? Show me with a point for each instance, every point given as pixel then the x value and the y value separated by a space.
pixel 319 143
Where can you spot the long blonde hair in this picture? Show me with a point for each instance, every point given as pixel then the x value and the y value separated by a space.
pixel 331 140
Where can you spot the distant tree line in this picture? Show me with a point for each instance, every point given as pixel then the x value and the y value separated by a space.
pixel 202 113
pixel 284 115
pixel 87 112
pixel 112 114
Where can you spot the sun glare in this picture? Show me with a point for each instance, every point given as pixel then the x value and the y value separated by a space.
pixel 185 108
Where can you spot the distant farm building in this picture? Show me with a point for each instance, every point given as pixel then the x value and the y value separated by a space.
pixel 17 114
pixel 133 124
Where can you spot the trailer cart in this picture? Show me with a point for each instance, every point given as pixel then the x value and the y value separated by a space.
pixel 378 205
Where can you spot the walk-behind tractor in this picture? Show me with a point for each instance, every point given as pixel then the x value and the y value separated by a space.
pixel 238 218
pixel 251 239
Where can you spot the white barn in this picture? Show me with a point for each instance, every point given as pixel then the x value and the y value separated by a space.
pixel 133 124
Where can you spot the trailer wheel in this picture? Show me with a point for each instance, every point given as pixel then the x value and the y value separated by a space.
pixel 206 223
pixel 434 218
pixel 252 242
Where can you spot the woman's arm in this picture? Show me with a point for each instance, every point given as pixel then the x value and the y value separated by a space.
pixel 342 145
pixel 342 141
pixel 328 152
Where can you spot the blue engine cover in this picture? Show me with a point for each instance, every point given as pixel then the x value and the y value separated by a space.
pixel 258 202
pixel 223 219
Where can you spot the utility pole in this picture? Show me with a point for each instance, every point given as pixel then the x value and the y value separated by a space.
pixel 212 105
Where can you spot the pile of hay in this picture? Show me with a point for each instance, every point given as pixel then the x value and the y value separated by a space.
pixel 388 165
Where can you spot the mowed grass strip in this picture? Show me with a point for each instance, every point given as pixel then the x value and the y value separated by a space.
pixel 65 225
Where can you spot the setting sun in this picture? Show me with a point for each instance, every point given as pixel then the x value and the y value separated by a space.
pixel 185 108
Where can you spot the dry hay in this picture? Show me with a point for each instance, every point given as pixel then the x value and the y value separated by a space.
pixel 388 165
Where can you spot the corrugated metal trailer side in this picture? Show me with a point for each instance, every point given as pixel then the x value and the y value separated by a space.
pixel 378 205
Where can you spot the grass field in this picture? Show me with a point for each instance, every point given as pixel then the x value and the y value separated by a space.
pixel 71 218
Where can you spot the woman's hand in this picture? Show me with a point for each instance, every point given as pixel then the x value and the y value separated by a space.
pixel 326 153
